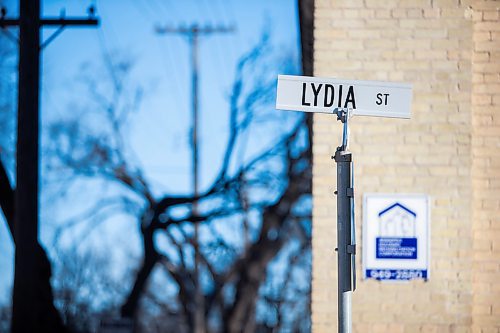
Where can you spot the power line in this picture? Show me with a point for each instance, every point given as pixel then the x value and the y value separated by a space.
pixel 216 52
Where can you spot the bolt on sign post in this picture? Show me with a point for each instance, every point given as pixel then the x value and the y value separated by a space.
pixel 344 98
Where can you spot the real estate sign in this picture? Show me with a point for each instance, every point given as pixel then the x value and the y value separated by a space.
pixel 396 236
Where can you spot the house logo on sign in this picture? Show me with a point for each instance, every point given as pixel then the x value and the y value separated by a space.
pixel 397 233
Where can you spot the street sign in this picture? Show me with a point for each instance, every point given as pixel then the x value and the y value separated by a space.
pixel 358 98
pixel 365 98
pixel 396 236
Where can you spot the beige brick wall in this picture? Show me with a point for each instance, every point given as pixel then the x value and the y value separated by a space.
pixel 486 166
pixel 450 51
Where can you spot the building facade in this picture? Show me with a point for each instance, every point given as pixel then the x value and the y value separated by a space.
pixel 450 150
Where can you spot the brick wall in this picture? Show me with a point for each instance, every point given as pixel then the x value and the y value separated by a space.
pixel 486 166
pixel 450 149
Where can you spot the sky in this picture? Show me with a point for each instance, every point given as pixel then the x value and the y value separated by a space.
pixel 161 66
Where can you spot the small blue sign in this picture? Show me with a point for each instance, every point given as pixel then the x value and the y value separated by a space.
pixel 396 248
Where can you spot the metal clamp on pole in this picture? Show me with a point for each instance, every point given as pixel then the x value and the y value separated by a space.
pixel 346 245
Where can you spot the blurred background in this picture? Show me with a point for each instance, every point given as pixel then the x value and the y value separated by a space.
pixel 148 223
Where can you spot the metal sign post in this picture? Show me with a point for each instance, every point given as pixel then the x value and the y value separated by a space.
pixel 345 98
pixel 346 245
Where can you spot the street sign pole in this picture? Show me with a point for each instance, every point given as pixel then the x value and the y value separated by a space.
pixel 346 247
pixel 345 98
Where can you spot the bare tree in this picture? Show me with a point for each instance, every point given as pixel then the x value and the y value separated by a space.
pixel 262 197
pixel 85 288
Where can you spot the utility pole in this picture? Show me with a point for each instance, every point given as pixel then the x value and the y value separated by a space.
pixel 193 33
pixel 25 312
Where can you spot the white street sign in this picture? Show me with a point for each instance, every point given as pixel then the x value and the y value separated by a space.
pixel 365 98
pixel 396 237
